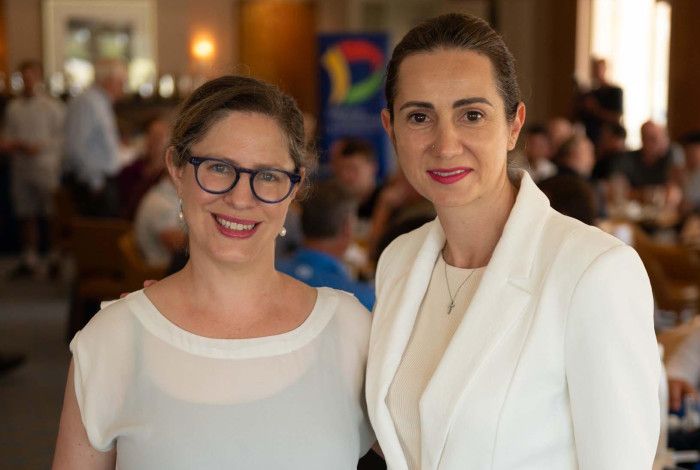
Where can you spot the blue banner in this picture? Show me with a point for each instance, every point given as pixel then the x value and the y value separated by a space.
pixel 352 68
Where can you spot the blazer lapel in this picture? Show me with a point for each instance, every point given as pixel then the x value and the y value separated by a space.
pixel 498 304
pixel 393 333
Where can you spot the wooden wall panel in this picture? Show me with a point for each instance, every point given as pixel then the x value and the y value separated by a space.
pixel 684 68
pixel 278 44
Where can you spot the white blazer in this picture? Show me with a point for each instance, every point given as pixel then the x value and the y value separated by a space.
pixel 555 364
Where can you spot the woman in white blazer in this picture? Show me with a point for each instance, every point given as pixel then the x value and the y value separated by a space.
pixel 505 335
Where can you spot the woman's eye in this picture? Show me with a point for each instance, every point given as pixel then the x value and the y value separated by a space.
pixel 474 116
pixel 268 176
pixel 417 118
pixel 219 168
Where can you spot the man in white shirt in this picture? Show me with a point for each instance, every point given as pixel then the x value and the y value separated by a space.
pixel 34 134
pixel 92 141
pixel 159 231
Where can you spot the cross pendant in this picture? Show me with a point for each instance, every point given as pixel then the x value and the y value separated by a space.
pixel 452 305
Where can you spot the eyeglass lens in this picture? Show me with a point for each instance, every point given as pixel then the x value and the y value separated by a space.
pixel 269 185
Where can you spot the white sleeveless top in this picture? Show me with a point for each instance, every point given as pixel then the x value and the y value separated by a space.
pixel 168 398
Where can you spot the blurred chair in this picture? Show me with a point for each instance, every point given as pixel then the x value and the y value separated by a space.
pixel 134 266
pixel 99 266
pixel 674 272
pixel 64 214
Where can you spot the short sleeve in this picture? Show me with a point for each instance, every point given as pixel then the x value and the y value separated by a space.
pixel 90 410
pixel 613 365
pixel 101 365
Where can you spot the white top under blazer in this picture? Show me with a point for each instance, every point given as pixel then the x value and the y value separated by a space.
pixel 169 399
pixel 555 364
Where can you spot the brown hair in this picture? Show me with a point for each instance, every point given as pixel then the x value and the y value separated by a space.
pixel 458 31
pixel 216 98
pixel 351 146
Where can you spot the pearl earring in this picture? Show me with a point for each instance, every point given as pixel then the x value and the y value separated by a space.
pixel 180 215
pixel 283 232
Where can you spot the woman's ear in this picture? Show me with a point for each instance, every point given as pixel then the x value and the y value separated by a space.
pixel 516 126
pixel 176 172
pixel 388 125
pixel 298 187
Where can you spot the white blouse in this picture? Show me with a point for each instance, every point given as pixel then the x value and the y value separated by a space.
pixel 168 398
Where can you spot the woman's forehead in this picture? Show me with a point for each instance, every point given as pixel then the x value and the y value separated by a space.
pixel 445 74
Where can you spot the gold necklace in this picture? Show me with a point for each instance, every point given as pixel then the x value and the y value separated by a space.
pixel 453 297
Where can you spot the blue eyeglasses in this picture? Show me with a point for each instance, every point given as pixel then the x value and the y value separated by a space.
pixel 268 185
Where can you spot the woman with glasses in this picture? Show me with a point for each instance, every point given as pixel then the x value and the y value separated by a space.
pixel 227 363
pixel 505 335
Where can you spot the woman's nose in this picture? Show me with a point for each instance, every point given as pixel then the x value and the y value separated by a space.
pixel 241 195
pixel 447 141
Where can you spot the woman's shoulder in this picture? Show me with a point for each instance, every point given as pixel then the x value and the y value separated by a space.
pixel 578 237
pixel 112 325
pixel 347 309
pixel 344 303
pixel 406 245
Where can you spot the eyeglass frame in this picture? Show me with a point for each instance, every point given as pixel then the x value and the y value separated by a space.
pixel 196 161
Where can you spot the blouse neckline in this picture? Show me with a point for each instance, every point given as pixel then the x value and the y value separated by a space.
pixel 160 326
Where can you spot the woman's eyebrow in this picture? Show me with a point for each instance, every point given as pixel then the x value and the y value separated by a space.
pixel 416 104
pixel 456 104
pixel 468 101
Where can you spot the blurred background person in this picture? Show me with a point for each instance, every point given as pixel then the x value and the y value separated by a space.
pixel 610 151
pixel 653 163
pixel 571 195
pixel 354 165
pixel 146 170
pixel 538 151
pixel 576 156
pixel 92 142
pixel 327 222
pixel 158 226
pixel 560 130
pixel 603 103
pixel 34 134
pixel 691 174
pixel 400 209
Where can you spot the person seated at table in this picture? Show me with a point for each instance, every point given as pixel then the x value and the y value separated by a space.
pixel 610 150
pixel 559 130
pixel 158 226
pixel 354 166
pixel 571 195
pixel 143 173
pixel 399 207
pixel 327 220
pixel 691 175
pixel 656 162
pixel 227 363
pixel 538 151
pixel 576 156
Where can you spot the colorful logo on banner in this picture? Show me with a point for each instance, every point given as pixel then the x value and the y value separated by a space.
pixel 338 60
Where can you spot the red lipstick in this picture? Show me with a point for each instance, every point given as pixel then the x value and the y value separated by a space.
pixel 449 175
pixel 234 227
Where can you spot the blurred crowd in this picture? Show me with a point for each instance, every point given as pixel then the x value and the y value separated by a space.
pixel 74 159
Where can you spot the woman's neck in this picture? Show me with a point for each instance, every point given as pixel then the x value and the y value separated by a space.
pixel 473 231
pixel 227 289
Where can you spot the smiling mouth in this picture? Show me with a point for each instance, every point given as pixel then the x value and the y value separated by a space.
pixel 445 174
pixel 233 225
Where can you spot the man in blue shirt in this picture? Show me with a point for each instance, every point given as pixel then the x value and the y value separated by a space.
pixel 327 219
pixel 92 141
